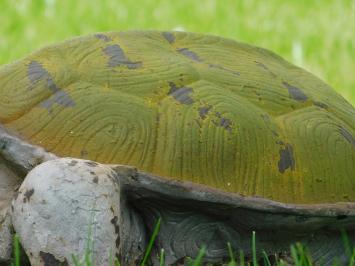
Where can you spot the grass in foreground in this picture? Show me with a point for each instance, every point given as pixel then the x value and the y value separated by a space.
pixel 299 254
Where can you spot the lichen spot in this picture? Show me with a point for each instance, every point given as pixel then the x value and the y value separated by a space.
pixel 188 53
pixel 170 37
pixel 295 93
pixel 286 159
pixel 118 58
pixel 180 94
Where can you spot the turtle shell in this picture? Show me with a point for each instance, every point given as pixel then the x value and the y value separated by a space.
pixel 187 107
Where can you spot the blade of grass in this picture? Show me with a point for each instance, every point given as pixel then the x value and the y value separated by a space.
pixel 116 262
pixel 151 242
pixel 113 261
pixel 300 255
pixel 266 259
pixel 352 258
pixel 89 244
pixel 253 247
pixel 241 258
pixel 346 242
pixel 75 260
pixel 17 250
pixel 198 260
pixel 231 256
pixel 295 255
pixel 305 256
pixel 280 263
pixel 161 262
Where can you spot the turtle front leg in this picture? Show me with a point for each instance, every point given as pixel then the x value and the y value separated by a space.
pixel 68 207
pixel 9 180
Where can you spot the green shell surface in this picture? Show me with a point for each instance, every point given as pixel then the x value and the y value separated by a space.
pixel 187 107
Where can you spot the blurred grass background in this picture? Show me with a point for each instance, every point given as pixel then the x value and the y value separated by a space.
pixel 318 35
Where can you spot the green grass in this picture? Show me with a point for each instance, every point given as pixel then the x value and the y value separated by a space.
pixel 151 242
pixel 299 253
pixel 318 35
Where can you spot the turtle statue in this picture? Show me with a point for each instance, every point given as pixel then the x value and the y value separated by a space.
pixel 100 136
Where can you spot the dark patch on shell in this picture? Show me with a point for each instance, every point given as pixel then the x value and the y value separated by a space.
pixel 91 163
pixel 49 260
pixel 295 93
pixel 96 180
pixel 114 221
pixel 321 105
pixel 224 69
pixel 286 159
pixel 60 97
pixel 223 122
pixel 72 163
pixel 103 37
pixel 181 94
pixel 170 37
pixel 192 55
pixel 226 124
pixel 203 111
pixel 27 195
pixel 118 58
pixel 36 72
pixel 347 135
